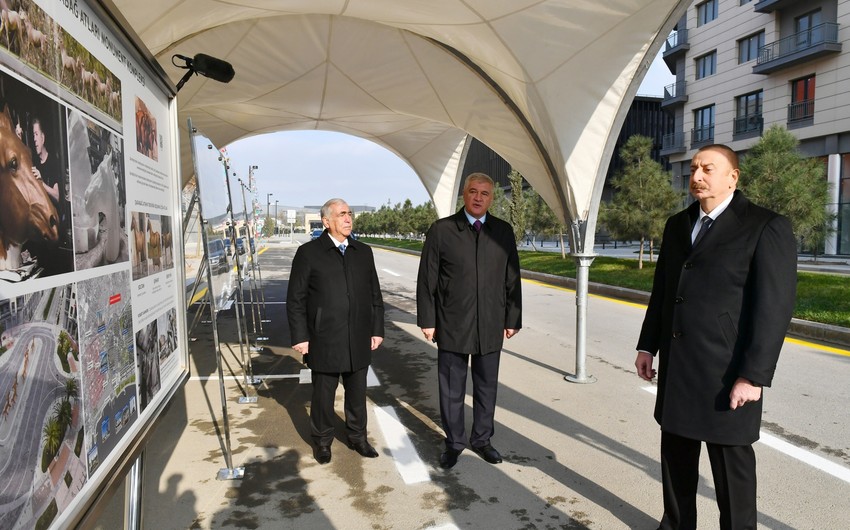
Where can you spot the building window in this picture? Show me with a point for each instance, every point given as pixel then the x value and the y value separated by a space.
pixel 745 2
pixel 844 207
pixel 706 65
pixel 748 113
pixel 802 107
pixel 748 47
pixel 703 125
pixel 808 29
pixel 706 12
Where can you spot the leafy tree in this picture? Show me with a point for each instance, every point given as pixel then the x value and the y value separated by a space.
pixel 52 436
pixel 71 389
pixel 643 197
pixel 268 227
pixel 517 205
pixel 775 175
pixel 541 220
pixel 63 414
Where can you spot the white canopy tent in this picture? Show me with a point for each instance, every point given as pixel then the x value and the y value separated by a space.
pixel 544 83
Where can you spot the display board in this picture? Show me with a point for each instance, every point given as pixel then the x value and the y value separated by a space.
pixel 214 200
pixel 91 293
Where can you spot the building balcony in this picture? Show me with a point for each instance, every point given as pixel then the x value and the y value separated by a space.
pixel 702 135
pixel 798 48
pixel 675 94
pixel 673 143
pixel 801 114
pixel 747 126
pixel 769 6
pixel 675 47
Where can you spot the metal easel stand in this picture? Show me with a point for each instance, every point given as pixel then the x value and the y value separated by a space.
pixel 229 472
pixel 247 368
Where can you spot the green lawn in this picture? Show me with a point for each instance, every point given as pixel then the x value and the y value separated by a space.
pixel 821 298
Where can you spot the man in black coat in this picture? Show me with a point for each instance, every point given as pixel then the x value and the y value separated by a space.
pixel 336 319
pixel 721 302
pixel 469 300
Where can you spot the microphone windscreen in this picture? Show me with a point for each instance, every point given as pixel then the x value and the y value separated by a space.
pixel 213 68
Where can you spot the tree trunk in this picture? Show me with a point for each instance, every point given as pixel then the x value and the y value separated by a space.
pixel 563 248
pixel 651 247
pixel 640 253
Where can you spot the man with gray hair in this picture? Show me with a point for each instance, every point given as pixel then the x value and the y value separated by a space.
pixel 336 319
pixel 468 301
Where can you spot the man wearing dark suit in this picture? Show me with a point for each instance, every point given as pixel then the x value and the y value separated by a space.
pixel 336 319
pixel 468 300
pixel 721 302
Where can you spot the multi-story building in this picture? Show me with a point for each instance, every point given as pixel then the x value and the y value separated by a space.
pixel 744 65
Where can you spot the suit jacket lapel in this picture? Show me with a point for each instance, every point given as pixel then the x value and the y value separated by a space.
pixel 727 223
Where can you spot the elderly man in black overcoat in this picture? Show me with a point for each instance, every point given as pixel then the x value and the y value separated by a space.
pixel 469 300
pixel 336 319
pixel 721 303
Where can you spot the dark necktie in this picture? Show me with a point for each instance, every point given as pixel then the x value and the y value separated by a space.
pixel 477 225
pixel 706 224
pixel 342 249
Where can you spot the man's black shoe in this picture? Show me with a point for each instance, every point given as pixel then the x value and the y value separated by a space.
pixel 488 453
pixel 322 453
pixel 364 449
pixel 449 458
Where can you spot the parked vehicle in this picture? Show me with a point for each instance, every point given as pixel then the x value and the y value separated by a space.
pixel 316 233
pixel 217 256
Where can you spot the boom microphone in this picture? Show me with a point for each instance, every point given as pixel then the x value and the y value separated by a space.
pixel 213 68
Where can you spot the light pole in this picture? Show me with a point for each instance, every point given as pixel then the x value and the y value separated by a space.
pixel 275 217
pixel 268 208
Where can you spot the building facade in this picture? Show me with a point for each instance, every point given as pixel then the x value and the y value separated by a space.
pixel 744 65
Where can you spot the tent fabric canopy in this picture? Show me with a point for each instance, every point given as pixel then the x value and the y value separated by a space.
pixel 544 83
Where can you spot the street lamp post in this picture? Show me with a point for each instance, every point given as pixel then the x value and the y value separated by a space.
pixel 268 206
pixel 275 216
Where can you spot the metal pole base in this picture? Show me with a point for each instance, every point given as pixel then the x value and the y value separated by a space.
pixel 580 380
pixel 230 474
pixel 247 399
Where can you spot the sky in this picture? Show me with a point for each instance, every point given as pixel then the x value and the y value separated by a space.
pixel 306 168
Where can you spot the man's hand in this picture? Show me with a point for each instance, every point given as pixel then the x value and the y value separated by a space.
pixel 302 347
pixel 376 341
pixel 643 363
pixel 743 391
pixel 510 333
pixel 429 333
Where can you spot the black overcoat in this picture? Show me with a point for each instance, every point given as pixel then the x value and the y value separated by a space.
pixel 469 285
pixel 717 313
pixel 335 303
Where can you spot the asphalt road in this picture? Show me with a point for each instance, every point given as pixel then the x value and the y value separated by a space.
pixel 576 456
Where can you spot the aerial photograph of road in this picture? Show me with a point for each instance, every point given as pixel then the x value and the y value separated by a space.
pixel 40 424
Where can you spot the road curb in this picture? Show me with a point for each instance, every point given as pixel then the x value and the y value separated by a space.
pixel 801 329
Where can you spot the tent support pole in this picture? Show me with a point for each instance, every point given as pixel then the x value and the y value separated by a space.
pixel 583 262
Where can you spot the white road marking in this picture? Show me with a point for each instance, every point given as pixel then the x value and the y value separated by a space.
pixel 817 462
pixel 371 378
pixel 241 377
pixel 411 468
pixel 391 272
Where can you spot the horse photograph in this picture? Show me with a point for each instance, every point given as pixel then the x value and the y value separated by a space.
pixel 35 236
pixel 146 133
pixel 139 246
